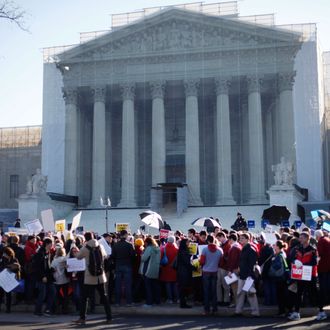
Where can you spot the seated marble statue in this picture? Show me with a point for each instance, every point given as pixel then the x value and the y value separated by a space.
pixel 283 173
pixel 39 183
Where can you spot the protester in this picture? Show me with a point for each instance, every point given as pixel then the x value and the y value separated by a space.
pixel 123 255
pixel 44 278
pixel 150 262
pixel 95 278
pixel 184 272
pixel 210 261
pixel 138 285
pixel 30 250
pixel 168 274
pixel 240 223
pixel 247 262
pixel 11 263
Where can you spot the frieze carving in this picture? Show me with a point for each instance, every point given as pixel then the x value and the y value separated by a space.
pixel 127 90
pixel 286 81
pixel 191 87
pixel 157 88
pixel 70 95
pixel 222 85
pixel 99 93
pixel 253 83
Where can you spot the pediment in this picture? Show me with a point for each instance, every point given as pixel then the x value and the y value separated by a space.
pixel 177 30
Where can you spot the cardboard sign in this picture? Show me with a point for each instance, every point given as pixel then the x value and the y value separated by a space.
pixel 251 224
pixel 60 225
pixel 75 222
pixel 8 280
pixel 193 248
pixel 48 220
pixel 303 273
pixel 163 233
pixel 75 265
pixel 122 226
pixel 34 226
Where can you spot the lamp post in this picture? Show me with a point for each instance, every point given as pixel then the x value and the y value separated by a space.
pixel 106 206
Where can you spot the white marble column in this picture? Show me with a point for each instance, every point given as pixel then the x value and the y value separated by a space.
pixel 286 116
pixel 71 139
pixel 256 146
pixel 98 163
pixel 192 141
pixel 128 147
pixel 158 132
pixel 223 144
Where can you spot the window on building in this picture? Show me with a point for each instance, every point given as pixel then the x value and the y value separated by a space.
pixel 13 186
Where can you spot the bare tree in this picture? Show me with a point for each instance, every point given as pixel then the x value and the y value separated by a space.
pixel 9 10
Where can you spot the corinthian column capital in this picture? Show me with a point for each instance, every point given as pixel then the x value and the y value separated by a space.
pixel 157 88
pixel 128 90
pixel 70 95
pixel 285 81
pixel 253 83
pixel 222 85
pixel 191 87
pixel 99 93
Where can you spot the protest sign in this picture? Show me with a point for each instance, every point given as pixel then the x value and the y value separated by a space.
pixel 122 226
pixel 193 248
pixel 303 273
pixel 248 284
pixel 60 225
pixel 285 223
pixel 163 233
pixel 270 238
pixel 106 246
pixel 75 265
pixel 48 220
pixel 264 223
pixel 251 224
pixel 18 231
pixel 8 280
pixel 298 223
pixel 198 271
pixel 75 221
pixel 34 226
pixel 231 279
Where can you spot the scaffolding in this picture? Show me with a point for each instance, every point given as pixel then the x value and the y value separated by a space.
pixel 20 137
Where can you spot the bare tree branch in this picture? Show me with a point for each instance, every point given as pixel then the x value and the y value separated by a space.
pixel 9 10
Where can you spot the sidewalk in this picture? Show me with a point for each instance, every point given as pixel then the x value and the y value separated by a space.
pixel 175 310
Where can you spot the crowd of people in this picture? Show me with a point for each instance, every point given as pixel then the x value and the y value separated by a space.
pixel 229 267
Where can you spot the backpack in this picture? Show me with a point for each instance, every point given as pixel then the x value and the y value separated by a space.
pixel 96 262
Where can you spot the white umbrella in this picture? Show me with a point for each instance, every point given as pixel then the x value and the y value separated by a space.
pixel 152 219
pixel 205 222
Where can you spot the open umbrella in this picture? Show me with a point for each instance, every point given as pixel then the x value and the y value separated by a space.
pixel 205 222
pixel 276 214
pixel 152 219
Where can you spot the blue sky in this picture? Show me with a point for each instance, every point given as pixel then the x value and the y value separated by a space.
pixel 53 23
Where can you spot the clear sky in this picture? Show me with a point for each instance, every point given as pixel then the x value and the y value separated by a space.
pixel 54 23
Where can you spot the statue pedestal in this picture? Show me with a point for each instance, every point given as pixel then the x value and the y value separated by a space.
pixel 30 207
pixel 286 195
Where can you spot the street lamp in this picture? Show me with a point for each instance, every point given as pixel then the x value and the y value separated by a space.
pixel 106 206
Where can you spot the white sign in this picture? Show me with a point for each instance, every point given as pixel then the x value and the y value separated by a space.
pixel 106 246
pixel 248 284
pixel 75 265
pixel 48 220
pixel 75 221
pixel 270 238
pixel 201 248
pixel 18 231
pixel 8 281
pixel 34 226
pixel 231 279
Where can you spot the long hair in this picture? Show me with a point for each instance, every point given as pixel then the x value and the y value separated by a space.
pixel 183 245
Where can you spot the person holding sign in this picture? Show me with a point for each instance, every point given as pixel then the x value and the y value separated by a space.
pixel 9 262
pixel 305 255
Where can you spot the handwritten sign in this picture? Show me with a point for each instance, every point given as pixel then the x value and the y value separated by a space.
pixel 75 221
pixel 122 226
pixel 48 220
pixel 8 280
pixel 303 273
pixel 75 265
pixel 34 226
pixel 60 225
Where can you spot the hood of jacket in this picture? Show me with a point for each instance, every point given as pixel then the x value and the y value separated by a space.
pixel 212 247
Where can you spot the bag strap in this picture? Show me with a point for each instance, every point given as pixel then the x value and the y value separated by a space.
pixel 271 256
pixel 284 261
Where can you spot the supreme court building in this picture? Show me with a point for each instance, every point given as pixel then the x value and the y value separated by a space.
pixel 202 98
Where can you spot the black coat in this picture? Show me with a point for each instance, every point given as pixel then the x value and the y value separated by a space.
pixel 184 268
pixel 41 265
pixel 265 259
pixel 247 261
pixel 123 254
